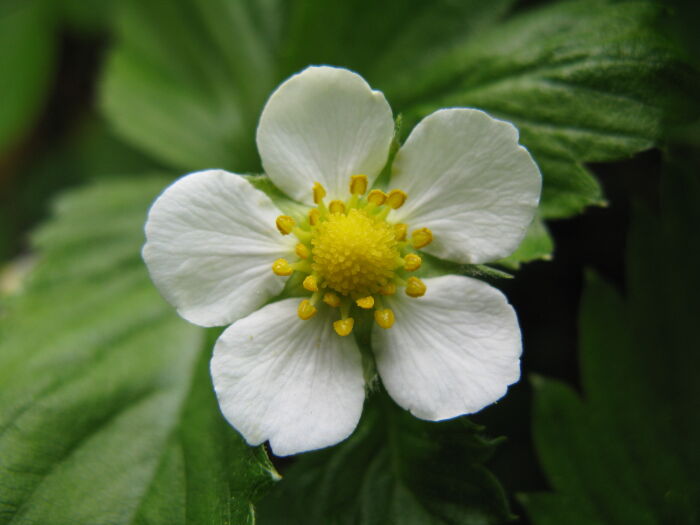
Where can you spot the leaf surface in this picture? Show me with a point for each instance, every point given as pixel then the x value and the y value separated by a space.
pixel 107 413
pixel 626 452
pixel 27 57
pixel 394 470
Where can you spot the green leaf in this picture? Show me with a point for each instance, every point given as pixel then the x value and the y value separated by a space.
pixel 381 39
pixel 395 469
pixel 537 244
pixel 584 81
pixel 87 152
pixel 27 56
pixel 92 16
pixel 627 452
pixel 187 79
pixel 107 414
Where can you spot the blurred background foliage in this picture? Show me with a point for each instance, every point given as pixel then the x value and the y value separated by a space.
pixel 106 409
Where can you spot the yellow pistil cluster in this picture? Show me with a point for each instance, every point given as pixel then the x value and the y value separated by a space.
pixel 352 255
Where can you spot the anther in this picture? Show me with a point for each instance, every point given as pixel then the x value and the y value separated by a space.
pixel 310 283
pixel 421 238
pixel 396 198
pixel 388 289
pixel 411 262
pixel 337 207
pixel 302 251
pixel 376 197
pixel 314 216
pixel 365 302
pixel 400 230
pixel 282 267
pixel 343 327
pixel 331 299
pixel 306 310
pixel 285 224
pixel 384 318
pixel 319 192
pixel 415 287
pixel 358 184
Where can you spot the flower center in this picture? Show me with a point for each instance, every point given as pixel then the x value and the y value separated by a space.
pixel 352 255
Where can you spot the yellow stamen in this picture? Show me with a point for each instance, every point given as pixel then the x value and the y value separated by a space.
pixel 388 289
pixel 302 235
pixel 400 230
pixel 301 266
pixel 282 267
pixel 337 207
pixel 384 318
pixel 412 262
pixel 396 198
pixel 358 184
pixel 349 255
pixel 421 238
pixel 366 302
pixel 415 287
pixel 314 216
pixel 343 327
pixel 285 224
pixel 311 283
pixel 319 192
pixel 331 299
pixel 376 197
pixel 306 310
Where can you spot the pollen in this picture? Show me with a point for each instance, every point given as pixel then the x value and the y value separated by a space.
pixel 285 224
pixel 311 283
pixel 282 267
pixel 388 289
pixel 365 302
pixel 384 318
pixel 343 327
pixel 421 238
pixel 314 217
pixel 337 207
pixel 306 310
pixel 354 254
pixel 358 184
pixel 376 197
pixel 331 299
pixel 400 230
pixel 412 262
pixel 319 192
pixel 396 199
pixel 415 287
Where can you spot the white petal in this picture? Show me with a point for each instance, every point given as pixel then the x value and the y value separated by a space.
pixel 324 125
pixel 451 352
pixel 292 382
pixel 211 240
pixel 470 182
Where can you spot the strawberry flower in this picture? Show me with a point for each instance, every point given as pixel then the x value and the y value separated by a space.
pixel 290 370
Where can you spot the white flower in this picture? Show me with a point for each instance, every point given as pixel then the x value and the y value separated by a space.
pixel 288 371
